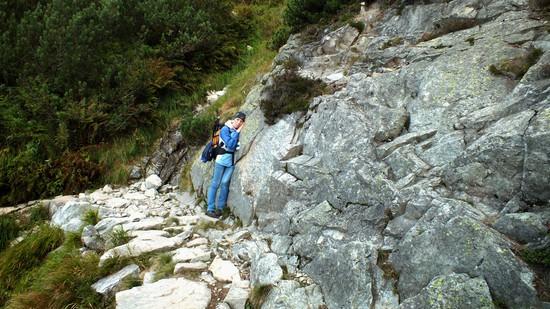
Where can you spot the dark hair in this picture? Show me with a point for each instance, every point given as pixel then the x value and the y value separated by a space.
pixel 240 115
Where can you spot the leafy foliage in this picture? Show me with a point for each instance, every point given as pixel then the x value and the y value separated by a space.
pixel 300 13
pixel 196 128
pixel 82 73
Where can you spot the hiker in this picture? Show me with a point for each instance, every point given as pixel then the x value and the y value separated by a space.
pixel 225 164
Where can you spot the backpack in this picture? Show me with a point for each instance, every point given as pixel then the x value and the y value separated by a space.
pixel 210 151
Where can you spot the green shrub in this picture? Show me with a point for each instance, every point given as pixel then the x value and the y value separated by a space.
pixel 299 13
pixel 279 38
pixel 289 93
pixel 9 229
pixel 80 73
pixel 359 25
pixel 537 256
pixel 21 258
pixel 197 129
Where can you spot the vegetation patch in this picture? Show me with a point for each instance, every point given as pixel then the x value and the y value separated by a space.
pixel 392 42
pixel 63 281
pixel 299 13
pixel 99 72
pixel 289 93
pixel 163 266
pixel 118 237
pixel 9 229
pixel 537 256
pixel 91 217
pixel 359 25
pixel 449 25
pixel 516 67
pixel 257 297
pixel 16 261
pixel 279 38
pixel 205 225
pixel 389 271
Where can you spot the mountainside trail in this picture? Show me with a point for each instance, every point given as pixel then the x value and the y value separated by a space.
pixel 420 178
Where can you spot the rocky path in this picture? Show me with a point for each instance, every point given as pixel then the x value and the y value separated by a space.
pixel 215 262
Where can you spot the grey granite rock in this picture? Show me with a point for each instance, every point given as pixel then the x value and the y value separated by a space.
pixel 452 291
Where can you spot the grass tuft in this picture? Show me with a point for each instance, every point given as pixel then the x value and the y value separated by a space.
pixel 118 237
pixel 91 217
pixel 39 214
pixel 63 281
pixel 164 266
pixel 9 229
pixel 257 297
pixel 16 261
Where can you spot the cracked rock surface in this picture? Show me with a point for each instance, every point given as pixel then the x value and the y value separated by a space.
pixel 408 179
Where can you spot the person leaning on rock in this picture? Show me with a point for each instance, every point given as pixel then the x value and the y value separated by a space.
pixel 225 164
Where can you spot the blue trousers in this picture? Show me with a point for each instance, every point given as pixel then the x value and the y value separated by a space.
pixel 221 177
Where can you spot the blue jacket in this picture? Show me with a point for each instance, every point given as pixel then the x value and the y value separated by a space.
pixel 229 137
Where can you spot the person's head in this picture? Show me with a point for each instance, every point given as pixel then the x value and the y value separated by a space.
pixel 238 119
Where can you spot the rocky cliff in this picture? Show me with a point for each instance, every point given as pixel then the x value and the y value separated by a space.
pixel 415 182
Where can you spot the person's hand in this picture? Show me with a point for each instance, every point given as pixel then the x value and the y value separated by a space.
pixel 241 127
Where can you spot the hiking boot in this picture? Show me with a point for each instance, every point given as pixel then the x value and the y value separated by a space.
pixel 218 212
pixel 212 214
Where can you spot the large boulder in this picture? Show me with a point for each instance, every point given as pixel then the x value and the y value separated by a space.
pixel 452 291
pixel 166 294
pixel 450 238
pixel 289 294
pixel 112 283
pixel 69 216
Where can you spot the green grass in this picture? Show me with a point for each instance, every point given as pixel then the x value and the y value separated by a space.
pixel 91 217
pixel 163 266
pixel 39 214
pixel 9 229
pixel 119 155
pixel 16 261
pixel 118 237
pixel 537 256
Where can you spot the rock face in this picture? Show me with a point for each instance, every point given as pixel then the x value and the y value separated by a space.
pixel 452 291
pixel 421 165
pixel 166 161
pixel 165 294
pixel 110 283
